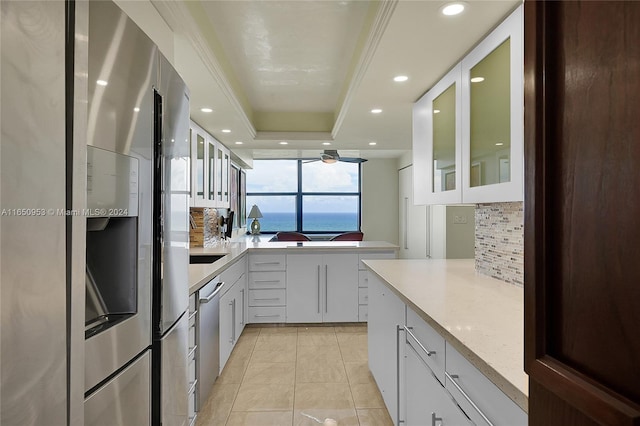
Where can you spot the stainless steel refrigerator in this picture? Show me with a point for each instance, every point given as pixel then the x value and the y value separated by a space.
pixel 137 235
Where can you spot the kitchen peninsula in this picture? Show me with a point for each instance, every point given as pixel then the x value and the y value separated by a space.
pixel 438 328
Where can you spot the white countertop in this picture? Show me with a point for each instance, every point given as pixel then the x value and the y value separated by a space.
pixel 481 317
pixel 201 274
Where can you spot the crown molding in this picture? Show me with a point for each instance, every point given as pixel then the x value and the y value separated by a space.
pixel 381 20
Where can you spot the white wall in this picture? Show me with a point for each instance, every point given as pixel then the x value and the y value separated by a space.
pixel 380 200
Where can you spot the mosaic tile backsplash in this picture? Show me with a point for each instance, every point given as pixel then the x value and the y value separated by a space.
pixel 500 241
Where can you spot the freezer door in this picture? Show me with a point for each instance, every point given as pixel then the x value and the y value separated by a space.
pixel 173 377
pixel 175 195
pixel 123 400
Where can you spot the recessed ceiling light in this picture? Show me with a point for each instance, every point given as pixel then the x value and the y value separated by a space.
pixel 499 144
pixel 436 111
pixel 284 143
pixel 239 143
pixel 326 143
pixel 373 143
pixel 226 131
pixel 136 109
pixel 477 79
pixel 206 110
pixel 453 9
pixel 101 83
pixel 400 78
pixel 376 111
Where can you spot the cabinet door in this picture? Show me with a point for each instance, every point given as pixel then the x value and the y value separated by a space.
pixel 305 288
pixel 493 132
pixel 227 325
pixel 241 304
pixel 437 143
pixel 414 230
pixel 340 287
pixel 386 313
pixel 198 163
pixel 211 171
pixel 226 170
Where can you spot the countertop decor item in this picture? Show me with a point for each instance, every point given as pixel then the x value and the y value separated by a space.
pixel 254 214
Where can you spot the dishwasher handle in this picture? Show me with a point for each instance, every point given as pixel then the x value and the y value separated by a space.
pixel 213 294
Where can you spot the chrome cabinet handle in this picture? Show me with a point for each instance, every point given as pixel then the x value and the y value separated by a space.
pixel 318 288
pixel 406 225
pixel 266 263
pixel 451 378
pixel 266 316
pixel 266 281
pixel 326 292
pixel 427 351
pixel 266 298
pixel 435 419
pixel 242 316
pixel 399 328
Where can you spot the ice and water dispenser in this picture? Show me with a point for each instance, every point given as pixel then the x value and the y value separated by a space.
pixel 112 239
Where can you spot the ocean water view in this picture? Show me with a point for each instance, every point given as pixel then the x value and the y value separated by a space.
pixel 319 222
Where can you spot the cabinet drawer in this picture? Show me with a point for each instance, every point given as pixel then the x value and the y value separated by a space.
pixel 430 339
pixel 363 313
pixel 275 279
pixel 374 255
pixel 267 314
pixel 363 278
pixel 269 297
pixel 363 296
pixel 192 336
pixel 234 272
pixel 267 262
pixel 495 405
pixel 191 368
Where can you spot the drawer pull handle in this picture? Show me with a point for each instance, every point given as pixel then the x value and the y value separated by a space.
pixel 267 298
pixel 451 378
pixel 192 387
pixel 192 351
pixel 427 351
pixel 266 263
pixel 266 281
pixel 267 316
pixel 193 314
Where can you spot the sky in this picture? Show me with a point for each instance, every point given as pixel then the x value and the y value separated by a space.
pixel 281 176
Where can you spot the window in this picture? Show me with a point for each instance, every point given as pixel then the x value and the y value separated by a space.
pixel 304 196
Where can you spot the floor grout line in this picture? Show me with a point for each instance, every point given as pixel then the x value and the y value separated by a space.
pixel 241 380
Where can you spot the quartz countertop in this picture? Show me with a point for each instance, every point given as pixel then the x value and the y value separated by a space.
pixel 201 274
pixel 481 317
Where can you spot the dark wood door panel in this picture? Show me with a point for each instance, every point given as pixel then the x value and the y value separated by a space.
pixel 582 206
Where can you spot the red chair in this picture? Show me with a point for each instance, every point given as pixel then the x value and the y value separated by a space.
pixel 348 236
pixel 291 236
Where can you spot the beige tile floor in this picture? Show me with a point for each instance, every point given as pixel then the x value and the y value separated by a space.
pixel 275 374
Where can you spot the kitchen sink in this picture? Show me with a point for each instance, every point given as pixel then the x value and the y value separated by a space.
pixel 205 258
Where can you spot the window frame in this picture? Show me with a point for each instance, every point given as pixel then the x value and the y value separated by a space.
pixel 299 195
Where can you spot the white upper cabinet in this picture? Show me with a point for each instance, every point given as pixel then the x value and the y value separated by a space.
pixel 468 129
pixel 210 166
pixel 492 110
pixel 437 143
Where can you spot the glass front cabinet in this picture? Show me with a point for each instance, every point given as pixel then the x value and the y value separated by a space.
pixel 468 129
pixel 210 162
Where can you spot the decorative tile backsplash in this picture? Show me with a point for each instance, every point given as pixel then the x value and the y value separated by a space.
pixel 206 226
pixel 500 241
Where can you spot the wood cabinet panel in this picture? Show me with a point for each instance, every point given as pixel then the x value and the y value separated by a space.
pixel 582 240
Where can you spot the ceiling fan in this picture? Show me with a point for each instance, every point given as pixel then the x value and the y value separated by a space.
pixel 330 156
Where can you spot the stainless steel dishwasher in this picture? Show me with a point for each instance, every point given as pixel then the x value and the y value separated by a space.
pixel 208 338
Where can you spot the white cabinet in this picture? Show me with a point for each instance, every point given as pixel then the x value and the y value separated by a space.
pixel 466 383
pixel 210 167
pixel 322 287
pixel 267 284
pixel 386 316
pixel 414 221
pixel 233 308
pixel 468 129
